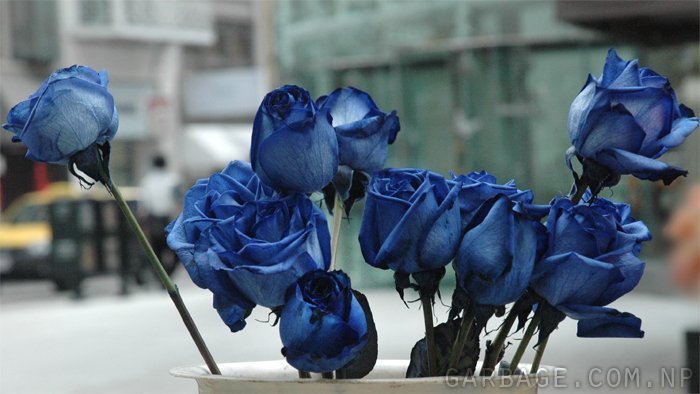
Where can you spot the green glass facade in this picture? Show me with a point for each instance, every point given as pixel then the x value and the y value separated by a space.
pixel 477 84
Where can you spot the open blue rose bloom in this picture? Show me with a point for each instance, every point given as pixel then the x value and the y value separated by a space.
pixel 497 254
pixel 411 221
pixel 592 260
pixel 294 146
pixel 322 326
pixel 623 121
pixel 247 243
pixel 70 112
pixel 253 235
pixel 364 132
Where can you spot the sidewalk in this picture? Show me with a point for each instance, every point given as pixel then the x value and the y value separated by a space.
pixel 111 344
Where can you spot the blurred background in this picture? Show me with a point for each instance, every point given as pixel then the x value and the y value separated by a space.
pixel 477 85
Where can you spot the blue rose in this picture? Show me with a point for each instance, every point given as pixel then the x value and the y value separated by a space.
pixel 322 325
pixel 477 187
pixel 364 132
pixel 496 257
pixel 246 243
pixel 294 147
pixel 411 221
pixel 623 121
pixel 71 111
pixel 592 260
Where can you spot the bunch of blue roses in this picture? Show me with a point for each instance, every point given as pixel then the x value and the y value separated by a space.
pixel 253 235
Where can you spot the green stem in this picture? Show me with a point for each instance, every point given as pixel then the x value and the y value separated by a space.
pixel 143 240
pixel 538 355
pixel 464 331
pixel 492 353
pixel 523 343
pixel 429 334
pixel 160 272
pixel 337 222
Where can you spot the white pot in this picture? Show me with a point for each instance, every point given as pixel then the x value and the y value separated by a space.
pixel 388 376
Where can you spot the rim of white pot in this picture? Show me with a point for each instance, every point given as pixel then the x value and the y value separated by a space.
pixel 280 371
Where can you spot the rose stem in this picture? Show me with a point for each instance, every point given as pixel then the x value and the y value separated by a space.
pixel 304 375
pixel 337 221
pixel 492 353
pixel 429 334
pixel 464 331
pixel 523 343
pixel 538 355
pixel 169 285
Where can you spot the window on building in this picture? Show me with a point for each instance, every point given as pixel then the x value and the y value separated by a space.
pixel 233 47
pixel 34 30
pixel 95 12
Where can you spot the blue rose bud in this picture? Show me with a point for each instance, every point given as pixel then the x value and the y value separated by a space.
pixel 411 221
pixel 364 132
pixel 246 243
pixel 71 111
pixel 592 260
pixel 496 257
pixel 477 187
pixel 322 325
pixel 624 120
pixel 294 147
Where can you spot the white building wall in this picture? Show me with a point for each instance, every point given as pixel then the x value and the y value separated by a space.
pixel 145 58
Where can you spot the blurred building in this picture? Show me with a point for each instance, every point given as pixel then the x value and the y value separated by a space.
pixel 186 76
pixel 223 85
pixel 488 84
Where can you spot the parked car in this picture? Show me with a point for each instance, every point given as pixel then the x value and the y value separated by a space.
pixel 26 232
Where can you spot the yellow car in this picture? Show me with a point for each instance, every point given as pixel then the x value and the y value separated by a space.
pixel 25 232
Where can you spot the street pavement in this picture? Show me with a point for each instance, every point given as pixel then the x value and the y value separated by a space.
pixel 107 343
